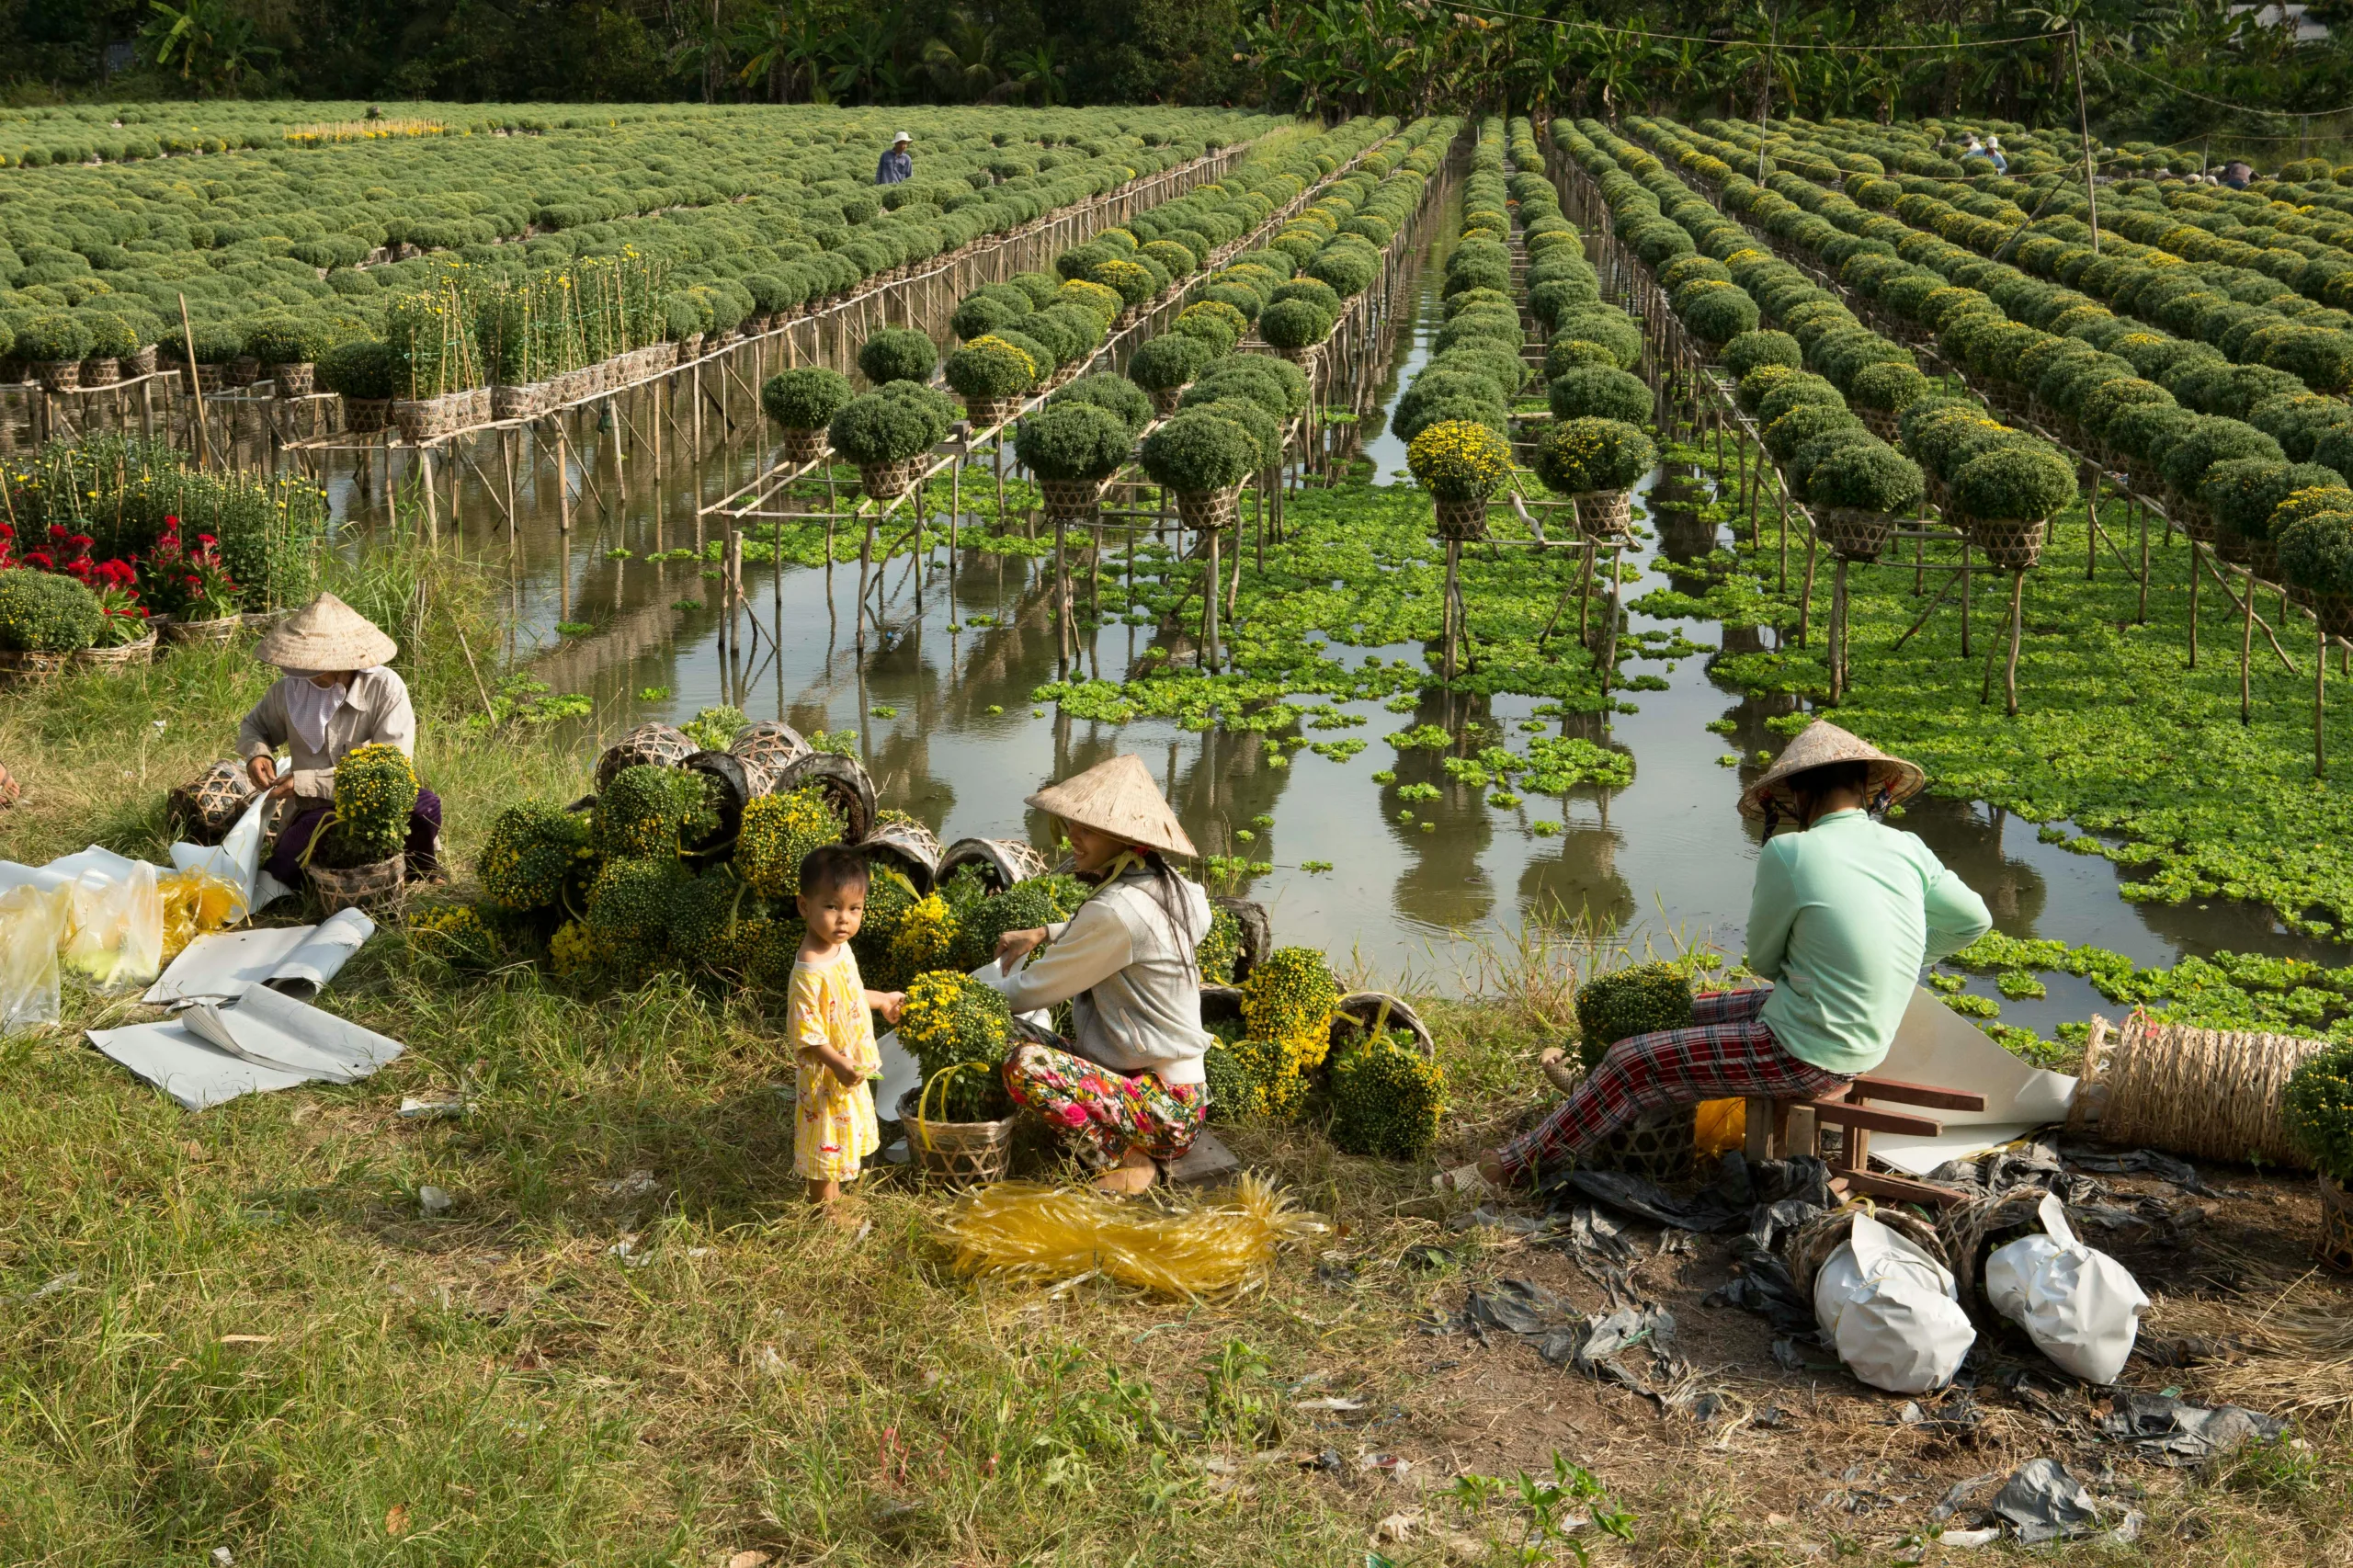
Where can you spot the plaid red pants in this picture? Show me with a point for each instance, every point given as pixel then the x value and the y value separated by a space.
pixel 1725 1054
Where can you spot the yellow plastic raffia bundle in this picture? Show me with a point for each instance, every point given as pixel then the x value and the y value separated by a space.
pixel 1049 1235
pixel 196 903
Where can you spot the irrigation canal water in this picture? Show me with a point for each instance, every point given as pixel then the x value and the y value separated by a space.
pixel 1665 860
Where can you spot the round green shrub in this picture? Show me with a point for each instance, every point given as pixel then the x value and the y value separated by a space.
pixel 897 353
pixel 111 335
pixel 1888 387
pixel 1168 362
pixel 1750 349
pixel 802 399
pixel 2029 481
pixel 980 314
pixel 2244 492
pixel 1115 395
pixel 1074 441
pixel 1719 312
pixel 1459 460
pixel 1323 294
pixel 1434 387
pixel 57 336
pixel 2317 1105
pixel 1594 391
pixel 1198 452
pixel 45 612
pixel 1870 476
pixel 1565 354
pixel 362 368
pixel 1294 324
pixel 1579 455
pixel 1803 423
pixel 2316 553
pixel 1046 360
pixel 1550 301
pixel 283 340
pixel 1265 432
pixel 1244 302
pixel 1640 999
pixel 2103 403
pixel 990 367
pixel 1613 329
pixel 2212 440
pixel 1499 364
pixel 1208 329
pixel 882 429
pixel 1792 391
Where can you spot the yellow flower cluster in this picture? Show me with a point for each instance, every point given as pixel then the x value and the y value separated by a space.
pixel 375 790
pixel 1458 460
pixel 778 832
pixel 331 132
pixel 456 932
pixel 1290 999
pixel 574 948
pixel 926 934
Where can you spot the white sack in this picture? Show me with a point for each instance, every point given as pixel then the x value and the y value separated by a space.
pixel 2080 1306
pixel 1891 1312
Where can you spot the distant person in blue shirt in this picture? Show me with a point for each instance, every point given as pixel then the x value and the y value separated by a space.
pixel 1993 151
pixel 2236 175
pixel 896 164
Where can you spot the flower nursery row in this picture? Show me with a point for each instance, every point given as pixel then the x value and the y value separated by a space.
pixel 112 540
pixel 293 240
pixel 2130 394
pixel 688 858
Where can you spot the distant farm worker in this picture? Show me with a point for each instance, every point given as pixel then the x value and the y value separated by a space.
pixel 1844 915
pixel 829 1020
pixel 2237 174
pixel 1129 1089
pixel 336 695
pixel 1993 151
pixel 897 163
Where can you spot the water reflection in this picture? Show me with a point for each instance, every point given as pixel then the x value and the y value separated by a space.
pixel 957 643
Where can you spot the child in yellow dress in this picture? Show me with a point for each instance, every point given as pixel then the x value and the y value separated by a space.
pixel 828 1019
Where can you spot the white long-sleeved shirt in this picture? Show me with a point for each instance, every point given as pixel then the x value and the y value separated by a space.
pixel 1129 977
pixel 376 710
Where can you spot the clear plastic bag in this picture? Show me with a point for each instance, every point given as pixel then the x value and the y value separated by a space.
pixel 33 921
pixel 195 903
pixel 117 940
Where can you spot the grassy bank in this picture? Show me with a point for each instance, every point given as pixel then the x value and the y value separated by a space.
pixel 239 1330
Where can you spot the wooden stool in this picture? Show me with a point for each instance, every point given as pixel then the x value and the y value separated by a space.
pixel 1768 1122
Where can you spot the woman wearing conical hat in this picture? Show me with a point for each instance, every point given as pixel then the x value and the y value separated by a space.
pixel 1128 1089
pixel 335 695
pixel 1845 912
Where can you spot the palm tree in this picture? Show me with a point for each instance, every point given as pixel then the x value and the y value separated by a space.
pixel 1036 69
pixel 961 61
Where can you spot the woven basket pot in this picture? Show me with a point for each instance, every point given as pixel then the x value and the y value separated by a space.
pixel 214 632
pixel 294 381
pixel 1203 510
pixel 803 448
pixel 1002 861
pixel 2012 543
pixel 957 1154
pixel 1659 1147
pixel 522 400
pixel 473 407
pixel 208 805
pixel 889 482
pixel 988 413
pixel 1304 357
pixel 1855 534
pixel 1967 1233
pixel 352 887
pixel 97 371
pixel 421 418
pixel 142 363
pixel 907 847
pixel 211 378
pixel 244 370
pixel 57 375
pixel 660 357
pixel 1460 520
pixel 122 656
pixel 768 746
pixel 565 386
pixel 1077 501
pixel 1878 422
pixel 1606 516
pixel 19 668
pixel 1165 399
pixel 366 416
pixel 2336 612
pixel 1808 1247
pixel 691 346
pixel 844 780
pixel 2257 555
pixel 2334 1246
pixel 651 744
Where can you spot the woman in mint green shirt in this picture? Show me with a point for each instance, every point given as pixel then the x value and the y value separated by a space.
pixel 1845 912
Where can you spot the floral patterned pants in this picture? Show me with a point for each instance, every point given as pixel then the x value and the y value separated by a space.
pixel 1099 1113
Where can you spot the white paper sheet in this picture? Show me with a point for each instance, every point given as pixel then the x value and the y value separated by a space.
pixel 237 859
pixel 1936 1045
pixel 199 1074
pixel 297 960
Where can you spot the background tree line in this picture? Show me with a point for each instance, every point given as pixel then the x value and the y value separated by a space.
pixel 2164 70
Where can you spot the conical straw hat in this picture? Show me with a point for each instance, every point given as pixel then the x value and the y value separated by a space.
pixel 325 635
pixel 1823 742
pixel 1118 797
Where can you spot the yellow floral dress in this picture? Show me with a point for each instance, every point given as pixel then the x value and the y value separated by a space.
pixel 833 1127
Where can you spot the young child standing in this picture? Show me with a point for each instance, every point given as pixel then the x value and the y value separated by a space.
pixel 828 1019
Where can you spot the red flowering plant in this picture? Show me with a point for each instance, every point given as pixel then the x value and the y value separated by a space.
pixel 116 583
pixel 7 547
pixel 193 584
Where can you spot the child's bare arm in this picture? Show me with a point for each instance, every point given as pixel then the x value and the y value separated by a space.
pixel 837 1064
pixel 889 1003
